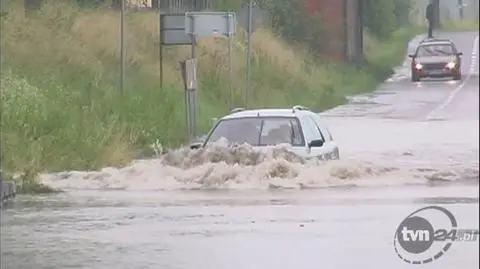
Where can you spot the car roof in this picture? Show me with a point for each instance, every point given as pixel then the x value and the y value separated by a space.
pixel 436 43
pixel 269 112
pixel 428 42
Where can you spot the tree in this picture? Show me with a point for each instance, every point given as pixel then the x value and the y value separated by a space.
pixel 379 17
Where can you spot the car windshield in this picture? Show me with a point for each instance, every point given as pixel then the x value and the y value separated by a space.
pixel 435 50
pixel 259 131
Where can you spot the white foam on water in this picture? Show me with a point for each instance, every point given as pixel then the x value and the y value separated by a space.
pixel 223 168
pixel 244 167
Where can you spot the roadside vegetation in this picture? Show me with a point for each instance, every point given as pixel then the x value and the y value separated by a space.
pixel 465 25
pixel 62 109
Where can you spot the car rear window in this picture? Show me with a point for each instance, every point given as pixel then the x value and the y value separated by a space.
pixel 259 131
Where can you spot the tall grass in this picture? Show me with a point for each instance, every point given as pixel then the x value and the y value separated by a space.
pixel 462 25
pixel 61 105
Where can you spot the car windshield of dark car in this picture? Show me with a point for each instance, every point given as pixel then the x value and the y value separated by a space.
pixel 435 50
pixel 259 131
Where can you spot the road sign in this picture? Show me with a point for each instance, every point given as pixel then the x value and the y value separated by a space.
pixel 172 30
pixel 210 24
pixel 257 15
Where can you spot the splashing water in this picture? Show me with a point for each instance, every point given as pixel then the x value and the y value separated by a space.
pixel 242 167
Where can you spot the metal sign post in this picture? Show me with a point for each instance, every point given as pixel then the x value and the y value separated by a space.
pixel 172 33
pixel 213 24
pixel 190 24
pixel 184 29
pixel 203 24
pixel 189 75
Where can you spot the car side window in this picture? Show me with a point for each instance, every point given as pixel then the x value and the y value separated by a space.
pixel 323 129
pixel 311 129
pixel 297 139
pixel 280 130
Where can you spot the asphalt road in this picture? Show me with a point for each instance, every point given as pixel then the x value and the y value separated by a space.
pixel 428 99
pixel 430 128
pixel 436 120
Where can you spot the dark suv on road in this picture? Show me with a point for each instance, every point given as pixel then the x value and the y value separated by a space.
pixel 436 58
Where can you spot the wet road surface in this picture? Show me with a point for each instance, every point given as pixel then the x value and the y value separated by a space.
pixel 318 229
pixel 425 129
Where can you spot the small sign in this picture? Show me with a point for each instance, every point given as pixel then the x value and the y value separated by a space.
pixel 257 16
pixel 175 37
pixel 172 30
pixel 210 24
pixel 172 21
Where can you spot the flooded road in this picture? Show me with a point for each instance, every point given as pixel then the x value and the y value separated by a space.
pixel 317 229
pixel 403 147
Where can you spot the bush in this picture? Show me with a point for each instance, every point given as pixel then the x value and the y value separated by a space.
pixel 382 17
pixel 290 20
pixel 379 17
pixel 402 12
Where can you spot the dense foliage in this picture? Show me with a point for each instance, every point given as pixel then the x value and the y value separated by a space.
pixel 381 17
pixel 290 19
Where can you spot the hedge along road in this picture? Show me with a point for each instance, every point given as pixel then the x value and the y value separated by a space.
pixel 393 142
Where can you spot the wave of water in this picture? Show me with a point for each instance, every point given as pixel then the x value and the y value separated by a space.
pixel 244 167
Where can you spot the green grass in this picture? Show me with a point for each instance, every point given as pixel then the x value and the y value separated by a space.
pixel 465 25
pixel 381 54
pixel 62 109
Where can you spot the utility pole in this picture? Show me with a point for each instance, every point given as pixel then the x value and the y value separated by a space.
pixel 436 13
pixel 1 99
pixel 122 45
pixel 249 51
pixel 461 9
pixel 230 64
pixel 429 16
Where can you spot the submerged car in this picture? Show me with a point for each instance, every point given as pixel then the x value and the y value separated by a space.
pixel 436 58
pixel 299 127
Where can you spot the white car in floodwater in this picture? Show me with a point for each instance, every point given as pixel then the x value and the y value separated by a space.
pixel 299 127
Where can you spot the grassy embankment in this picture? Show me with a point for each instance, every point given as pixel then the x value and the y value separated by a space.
pixel 457 26
pixel 62 109
pixel 466 25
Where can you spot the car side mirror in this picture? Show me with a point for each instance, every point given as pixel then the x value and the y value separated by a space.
pixel 196 145
pixel 411 55
pixel 459 53
pixel 214 121
pixel 315 143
